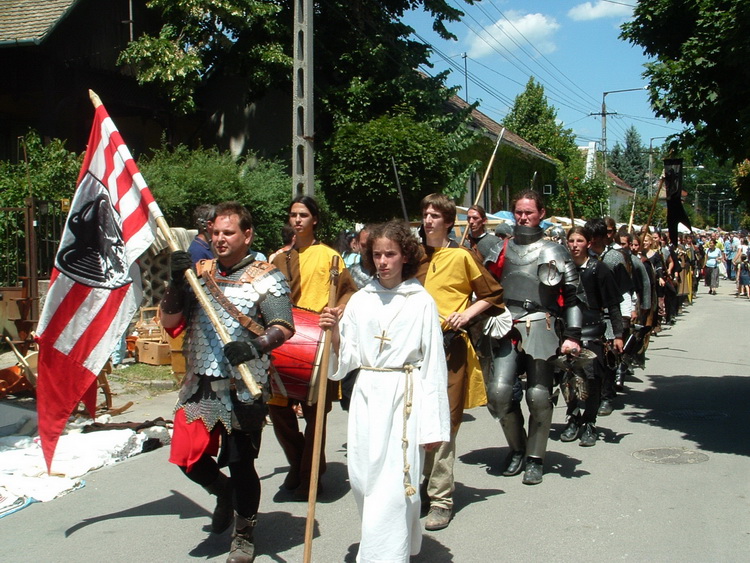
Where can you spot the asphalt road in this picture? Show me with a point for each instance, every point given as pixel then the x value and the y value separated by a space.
pixel 669 480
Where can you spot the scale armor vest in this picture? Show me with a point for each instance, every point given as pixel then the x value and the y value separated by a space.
pixel 206 390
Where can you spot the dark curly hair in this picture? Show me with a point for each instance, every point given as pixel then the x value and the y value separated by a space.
pixel 400 233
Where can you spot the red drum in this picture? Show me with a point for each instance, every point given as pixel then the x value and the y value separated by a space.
pixel 297 361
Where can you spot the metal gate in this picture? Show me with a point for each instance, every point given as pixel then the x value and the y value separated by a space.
pixel 29 237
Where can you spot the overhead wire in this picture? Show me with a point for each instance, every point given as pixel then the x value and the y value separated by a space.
pixel 578 90
pixel 518 64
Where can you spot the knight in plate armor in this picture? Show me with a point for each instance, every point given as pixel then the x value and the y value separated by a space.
pixel 540 283
pixel 215 407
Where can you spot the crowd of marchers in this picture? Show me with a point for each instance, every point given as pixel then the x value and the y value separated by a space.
pixel 422 326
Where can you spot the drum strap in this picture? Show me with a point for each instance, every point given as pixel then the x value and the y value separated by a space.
pixel 228 306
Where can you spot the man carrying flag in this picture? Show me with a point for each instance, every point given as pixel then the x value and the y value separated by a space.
pixel 95 285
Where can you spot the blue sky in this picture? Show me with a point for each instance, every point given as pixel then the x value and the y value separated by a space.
pixel 571 47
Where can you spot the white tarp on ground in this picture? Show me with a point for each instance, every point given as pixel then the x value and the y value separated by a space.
pixel 23 473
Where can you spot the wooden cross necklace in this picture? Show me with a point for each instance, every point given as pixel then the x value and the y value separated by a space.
pixel 383 338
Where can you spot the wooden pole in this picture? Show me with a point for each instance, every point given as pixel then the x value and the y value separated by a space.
pixel 320 417
pixel 30 375
pixel 632 212
pixel 200 294
pixel 570 205
pixel 484 181
pixel 204 301
pixel 653 206
pixel 400 192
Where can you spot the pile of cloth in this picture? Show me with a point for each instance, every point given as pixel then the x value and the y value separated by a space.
pixel 85 446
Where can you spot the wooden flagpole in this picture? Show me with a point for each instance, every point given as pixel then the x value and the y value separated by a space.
pixel 653 206
pixel 320 418
pixel 484 181
pixel 400 192
pixel 192 279
pixel 570 205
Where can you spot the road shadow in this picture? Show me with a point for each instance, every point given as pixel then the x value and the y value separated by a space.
pixel 605 433
pixel 334 485
pixel 278 532
pixel 708 410
pixel 493 459
pixel 176 504
pixel 432 551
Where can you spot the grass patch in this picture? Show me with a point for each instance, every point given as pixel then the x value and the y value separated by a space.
pixel 144 377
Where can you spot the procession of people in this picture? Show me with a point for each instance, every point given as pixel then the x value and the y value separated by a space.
pixel 430 328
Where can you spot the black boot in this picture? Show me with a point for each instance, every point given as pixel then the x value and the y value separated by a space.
pixel 243 549
pixel 572 430
pixel 221 488
pixel 622 370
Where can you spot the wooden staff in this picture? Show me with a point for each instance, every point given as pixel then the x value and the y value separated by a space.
pixel 400 192
pixel 320 417
pixel 570 205
pixel 653 206
pixel 30 375
pixel 192 279
pixel 632 212
pixel 484 181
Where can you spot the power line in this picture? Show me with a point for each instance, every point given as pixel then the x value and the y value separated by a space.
pixel 560 72
pixel 517 63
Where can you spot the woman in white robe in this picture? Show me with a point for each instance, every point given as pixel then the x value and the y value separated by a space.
pixel 390 331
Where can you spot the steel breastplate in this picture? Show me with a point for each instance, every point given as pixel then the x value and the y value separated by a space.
pixel 527 278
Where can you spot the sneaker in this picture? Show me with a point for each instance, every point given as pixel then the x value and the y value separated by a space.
pixel 589 436
pixel 571 431
pixel 438 518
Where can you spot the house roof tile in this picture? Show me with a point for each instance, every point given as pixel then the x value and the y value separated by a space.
pixel 30 21
pixel 483 121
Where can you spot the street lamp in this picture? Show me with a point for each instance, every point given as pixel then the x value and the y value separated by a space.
pixel 724 202
pixel 697 192
pixel 604 119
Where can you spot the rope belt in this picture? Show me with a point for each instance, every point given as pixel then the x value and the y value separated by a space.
pixel 408 369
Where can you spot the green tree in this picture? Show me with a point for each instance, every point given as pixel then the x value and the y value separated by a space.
pixel 631 162
pixel 362 182
pixel 642 211
pixel 699 72
pixel 50 174
pixel 181 179
pixel 364 64
pixel 362 52
pixel 202 38
pixel 588 195
pixel 535 120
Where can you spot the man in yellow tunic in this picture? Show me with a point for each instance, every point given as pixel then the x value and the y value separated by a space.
pixel 452 275
pixel 306 267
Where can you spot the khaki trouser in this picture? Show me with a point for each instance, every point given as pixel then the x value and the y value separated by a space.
pixel 438 464
pixel 438 472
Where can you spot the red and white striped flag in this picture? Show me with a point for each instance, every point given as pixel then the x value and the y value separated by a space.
pixel 95 286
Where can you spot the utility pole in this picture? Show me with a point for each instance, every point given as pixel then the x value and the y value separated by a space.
pixel 604 114
pixel 303 131
pixel 466 79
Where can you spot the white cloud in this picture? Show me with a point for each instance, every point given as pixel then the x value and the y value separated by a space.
pixel 601 9
pixel 537 29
